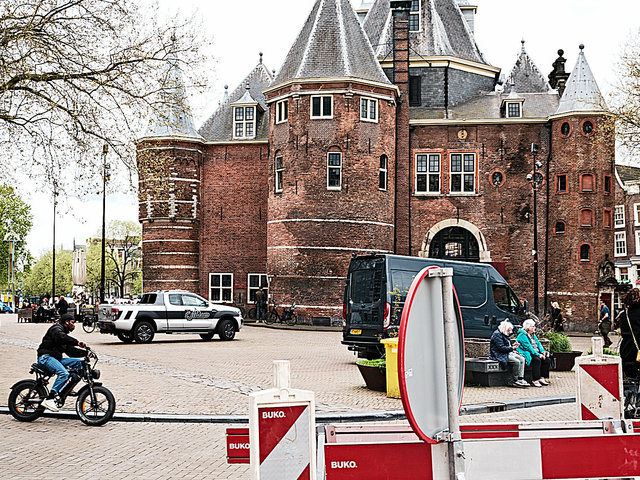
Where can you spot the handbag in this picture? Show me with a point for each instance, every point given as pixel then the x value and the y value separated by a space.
pixel 634 337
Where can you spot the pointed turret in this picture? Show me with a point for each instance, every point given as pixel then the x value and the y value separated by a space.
pixel 582 93
pixel 331 44
pixel 174 115
pixel 525 76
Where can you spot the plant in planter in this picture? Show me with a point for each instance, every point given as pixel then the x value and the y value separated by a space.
pixel 374 373
pixel 560 346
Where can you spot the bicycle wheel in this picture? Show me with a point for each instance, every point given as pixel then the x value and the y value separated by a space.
pixel 25 399
pixel 88 325
pixel 272 317
pixel 292 320
pixel 252 313
pixel 98 412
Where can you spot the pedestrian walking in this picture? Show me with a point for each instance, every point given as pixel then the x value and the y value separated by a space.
pixel 556 317
pixel 604 326
pixel 261 302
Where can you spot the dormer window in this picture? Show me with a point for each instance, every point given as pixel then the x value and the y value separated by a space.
pixel 244 122
pixel 414 16
pixel 514 110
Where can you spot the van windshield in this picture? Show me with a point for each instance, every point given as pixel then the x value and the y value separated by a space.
pixel 505 299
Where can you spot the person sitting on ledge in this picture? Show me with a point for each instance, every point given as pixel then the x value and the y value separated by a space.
pixel 500 349
pixel 534 353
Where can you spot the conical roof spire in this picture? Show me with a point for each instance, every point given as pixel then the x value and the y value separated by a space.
pixel 581 93
pixel 174 115
pixel 525 75
pixel 331 44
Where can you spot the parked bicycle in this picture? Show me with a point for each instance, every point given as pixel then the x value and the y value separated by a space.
pixel 287 316
pixel 95 404
pixel 89 323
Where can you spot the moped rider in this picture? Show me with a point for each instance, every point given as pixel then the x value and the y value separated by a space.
pixel 54 343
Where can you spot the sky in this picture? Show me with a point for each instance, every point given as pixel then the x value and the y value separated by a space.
pixel 241 31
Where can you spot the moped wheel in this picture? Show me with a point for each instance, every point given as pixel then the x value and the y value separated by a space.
pixel 272 318
pixel 98 412
pixel 24 401
pixel 88 325
pixel 292 320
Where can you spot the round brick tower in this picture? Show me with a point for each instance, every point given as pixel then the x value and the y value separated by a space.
pixel 169 159
pixel 332 152
pixel 581 200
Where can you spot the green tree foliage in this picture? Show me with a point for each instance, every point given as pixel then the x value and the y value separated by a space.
pixel 15 216
pixel 76 74
pixel 38 280
pixel 123 249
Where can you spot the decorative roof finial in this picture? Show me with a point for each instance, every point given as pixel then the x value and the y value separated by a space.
pixel 581 46
pixel 522 42
pixel 260 58
pixel 247 87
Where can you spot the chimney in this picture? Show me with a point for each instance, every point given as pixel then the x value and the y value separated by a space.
pixel 558 77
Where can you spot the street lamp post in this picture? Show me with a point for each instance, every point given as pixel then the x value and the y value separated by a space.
pixel 536 179
pixel 53 267
pixel 105 177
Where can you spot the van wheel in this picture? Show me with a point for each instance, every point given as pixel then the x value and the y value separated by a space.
pixel 143 332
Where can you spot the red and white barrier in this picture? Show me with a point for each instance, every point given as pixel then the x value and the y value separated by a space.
pixel 600 387
pixel 282 430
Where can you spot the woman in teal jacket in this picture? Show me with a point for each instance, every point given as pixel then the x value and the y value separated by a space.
pixel 534 353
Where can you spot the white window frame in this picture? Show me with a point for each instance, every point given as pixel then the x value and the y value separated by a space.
pixel 419 15
pixel 260 276
pixel 636 214
pixel 322 115
pixel 462 173
pixel 367 104
pixel 428 173
pixel 508 113
pixel 220 288
pixel 243 122
pixel 278 174
pixel 334 167
pixel 383 173
pixel 618 217
pixel 282 111
pixel 620 240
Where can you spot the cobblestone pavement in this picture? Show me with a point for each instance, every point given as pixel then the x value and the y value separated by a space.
pixel 185 375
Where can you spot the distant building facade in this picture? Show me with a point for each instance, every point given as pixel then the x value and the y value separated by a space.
pixel 384 130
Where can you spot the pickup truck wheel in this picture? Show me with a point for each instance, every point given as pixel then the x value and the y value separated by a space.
pixel 226 330
pixel 143 332
pixel 206 336
pixel 125 337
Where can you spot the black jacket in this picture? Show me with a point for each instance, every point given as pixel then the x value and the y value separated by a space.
pixel 62 306
pixel 500 348
pixel 57 341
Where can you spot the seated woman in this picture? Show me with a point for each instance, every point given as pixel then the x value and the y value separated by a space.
pixel 502 351
pixel 533 352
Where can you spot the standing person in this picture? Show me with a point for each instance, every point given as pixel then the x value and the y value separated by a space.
pixel 505 353
pixel 534 353
pixel 261 301
pixel 62 306
pixel 54 343
pixel 556 317
pixel 605 323
pixel 629 322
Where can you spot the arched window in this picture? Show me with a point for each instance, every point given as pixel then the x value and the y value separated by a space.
pixel 585 218
pixel 561 227
pixel 585 252
pixel 587 182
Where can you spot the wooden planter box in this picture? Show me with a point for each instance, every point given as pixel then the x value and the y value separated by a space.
pixel 374 377
pixel 565 361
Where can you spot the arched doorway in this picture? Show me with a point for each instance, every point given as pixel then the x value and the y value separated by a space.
pixel 455 243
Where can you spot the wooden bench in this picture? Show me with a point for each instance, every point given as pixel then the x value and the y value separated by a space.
pixel 488 373
pixel 25 315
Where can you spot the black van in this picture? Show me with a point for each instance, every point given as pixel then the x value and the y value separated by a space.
pixel 377 286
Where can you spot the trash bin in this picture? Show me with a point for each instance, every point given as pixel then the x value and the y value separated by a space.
pixel 391 353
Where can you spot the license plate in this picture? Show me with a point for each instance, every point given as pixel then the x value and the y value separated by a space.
pixel 356 331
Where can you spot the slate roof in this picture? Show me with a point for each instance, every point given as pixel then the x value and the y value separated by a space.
pixel 219 127
pixel 444 31
pixel 581 93
pixel 628 173
pixel 331 44
pixel 487 106
pixel 174 116
pixel 525 76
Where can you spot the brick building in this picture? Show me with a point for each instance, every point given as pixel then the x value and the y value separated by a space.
pixel 384 130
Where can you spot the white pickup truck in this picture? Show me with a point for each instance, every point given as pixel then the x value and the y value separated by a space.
pixel 169 311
